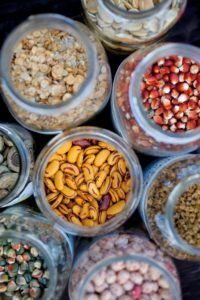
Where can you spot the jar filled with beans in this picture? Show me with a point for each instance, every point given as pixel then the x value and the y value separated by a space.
pixel 170 205
pixel 16 164
pixel 126 25
pixel 88 181
pixel 35 258
pixel 55 74
pixel 123 266
pixel 155 99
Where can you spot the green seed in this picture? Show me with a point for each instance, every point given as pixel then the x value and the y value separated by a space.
pixel 2 262
pixel 21 280
pixel 19 258
pixel 3 288
pixel 16 246
pixel 34 283
pixel 38 264
pixel 37 273
pixel 12 286
pixel 4 278
pixel 1 250
pixel 34 252
pixel 10 260
pixel 23 268
pixel 46 275
pixel 43 281
pixel 35 292
pixel 11 253
pixel 24 290
pixel 27 277
pixel 31 266
pixel 26 256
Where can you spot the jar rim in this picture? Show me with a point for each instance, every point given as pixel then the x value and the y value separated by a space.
pixel 139 258
pixel 137 15
pixel 26 237
pixel 135 92
pixel 25 161
pixel 52 21
pixel 93 133
pixel 178 190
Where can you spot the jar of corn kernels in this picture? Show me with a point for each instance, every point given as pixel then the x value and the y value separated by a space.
pixel 125 267
pixel 54 73
pixel 127 25
pixel 155 99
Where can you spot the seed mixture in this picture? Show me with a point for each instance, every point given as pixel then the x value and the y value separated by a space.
pixel 187 215
pixel 87 182
pixel 10 165
pixel 48 66
pixel 123 280
pixel 135 5
pixel 23 272
pixel 171 93
pixel 67 117
pixel 156 197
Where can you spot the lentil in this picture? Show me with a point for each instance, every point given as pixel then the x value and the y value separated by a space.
pixel 10 166
pixel 87 182
pixel 156 194
pixel 186 215
pixel 18 278
pixel 121 278
pixel 170 91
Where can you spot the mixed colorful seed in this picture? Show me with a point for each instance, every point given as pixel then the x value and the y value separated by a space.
pixel 87 182
pixel 10 165
pixel 23 272
pixel 187 215
pixel 171 93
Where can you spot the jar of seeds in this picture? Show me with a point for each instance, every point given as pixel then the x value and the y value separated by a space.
pixel 123 266
pixel 155 99
pixel 55 74
pixel 35 257
pixel 170 205
pixel 16 164
pixel 87 181
pixel 126 25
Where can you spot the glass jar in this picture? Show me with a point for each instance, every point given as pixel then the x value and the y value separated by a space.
pixel 128 112
pixel 23 141
pixel 164 182
pixel 93 133
pixel 122 30
pixel 119 266
pixel 23 224
pixel 88 100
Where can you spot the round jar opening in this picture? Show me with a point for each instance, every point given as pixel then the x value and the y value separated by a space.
pixel 26 267
pixel 166 100
pixel 87 181
pixel 128 277
pixel 14 166
pixel 182 214
pixel 136 9
pixel 47 62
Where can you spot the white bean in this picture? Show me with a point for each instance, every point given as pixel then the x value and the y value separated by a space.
pixel 116 289
pixel 123 276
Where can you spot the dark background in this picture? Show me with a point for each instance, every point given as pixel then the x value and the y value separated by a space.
pixel 186 30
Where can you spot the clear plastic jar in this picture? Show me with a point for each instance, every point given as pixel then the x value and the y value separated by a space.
pixel 82 105
pixel 123 31
pixel 22 140
pixel 164 182
pixel 23 224
pixel 98 134
pixel 123 266
pixel 128 112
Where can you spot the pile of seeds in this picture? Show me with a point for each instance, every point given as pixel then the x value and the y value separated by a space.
pixel 170 92
pixel 48 66
pixel 156 197
pixel 23 272
pixel 187 215
pixel 87 182
pixel 10 166
pixel 131 278
pixel 119 33
pixel 135 5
